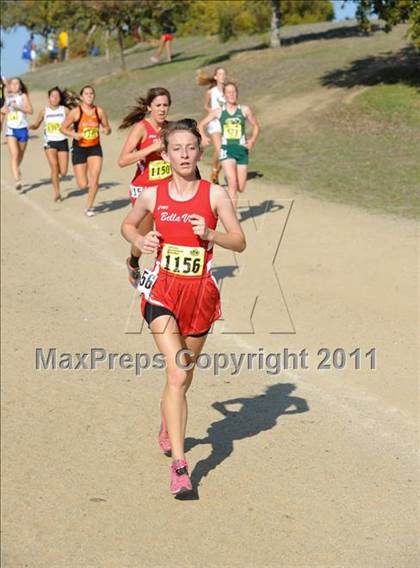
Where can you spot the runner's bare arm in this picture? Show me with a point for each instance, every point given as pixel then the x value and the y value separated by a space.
pixel 38 121
pixel 233 238
pixel 207 98
pixel 129 154
pixel 66 127
pixel 105 127
pixel 26 106
pixel 145 204
pixel 255 127
pixel 205 121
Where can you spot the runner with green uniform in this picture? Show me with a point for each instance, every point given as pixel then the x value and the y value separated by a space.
pixel 235 145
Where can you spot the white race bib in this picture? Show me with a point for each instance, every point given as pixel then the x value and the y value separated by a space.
pixel 146 282
pixel 187 261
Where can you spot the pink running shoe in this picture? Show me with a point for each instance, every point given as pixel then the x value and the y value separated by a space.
pixel 180 480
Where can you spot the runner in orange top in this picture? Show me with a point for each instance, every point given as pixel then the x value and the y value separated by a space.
pixel 143 147
pixel 180 299
pixel 84 124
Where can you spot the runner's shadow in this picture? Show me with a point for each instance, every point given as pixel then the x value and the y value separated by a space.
pixel 257 414
pixel 251 211
pixel 46 181
pixel 222 272
pixel 253 175
pixel 40 183
pixel 79 192
pixel 106 206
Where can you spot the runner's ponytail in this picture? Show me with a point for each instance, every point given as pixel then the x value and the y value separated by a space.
pixel 204 80
pixel 139 111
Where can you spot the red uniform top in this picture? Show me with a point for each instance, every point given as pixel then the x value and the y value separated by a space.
pixel 181 252
pixel 183 283
pixel 151 169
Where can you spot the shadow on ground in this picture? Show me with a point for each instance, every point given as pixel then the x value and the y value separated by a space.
pixel 254 175
pixel 335 33
pixel 251 211
pixel 289 38
pixel 222 272
pixel 256 414
pixel 388 68
pixel 102 187
pixel 228 54
pixel 107 206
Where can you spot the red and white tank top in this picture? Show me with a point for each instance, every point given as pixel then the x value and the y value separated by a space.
pixel 152 169
pixel 181 252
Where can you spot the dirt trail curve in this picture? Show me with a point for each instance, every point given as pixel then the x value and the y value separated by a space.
pixel 319 472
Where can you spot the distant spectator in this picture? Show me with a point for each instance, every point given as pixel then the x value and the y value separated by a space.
pixel 168 30
pixel 52 48
pixel 94 50
pixel 26 51
pixel 137 33
pixel 33 53
pixel 63 44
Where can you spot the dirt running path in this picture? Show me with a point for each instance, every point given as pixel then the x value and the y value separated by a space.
pixel 319 472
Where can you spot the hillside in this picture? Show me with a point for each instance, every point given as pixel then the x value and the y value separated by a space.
pixel 340 113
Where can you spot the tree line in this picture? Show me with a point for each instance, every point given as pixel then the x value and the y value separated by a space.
pixel 227 18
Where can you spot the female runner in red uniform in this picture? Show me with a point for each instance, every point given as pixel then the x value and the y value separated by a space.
pixel 143 147
pixel 180 299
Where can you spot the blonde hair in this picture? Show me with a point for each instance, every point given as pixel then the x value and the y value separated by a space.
pixel 204 80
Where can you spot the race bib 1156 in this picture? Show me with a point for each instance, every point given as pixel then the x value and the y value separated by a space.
pixel 186 261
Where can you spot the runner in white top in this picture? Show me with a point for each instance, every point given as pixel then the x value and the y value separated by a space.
pixel 214 99
pixel 55 143
pixel 16 107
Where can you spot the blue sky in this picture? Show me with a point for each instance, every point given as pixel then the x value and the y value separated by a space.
pixel 11 53
pixel 14 40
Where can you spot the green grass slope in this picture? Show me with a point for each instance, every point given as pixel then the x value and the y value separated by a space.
pixel 340 113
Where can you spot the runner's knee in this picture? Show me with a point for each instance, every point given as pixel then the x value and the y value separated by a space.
pixel 177 378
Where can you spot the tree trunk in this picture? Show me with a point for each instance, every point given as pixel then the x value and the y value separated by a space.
pixel 121 44
pixel 107 45
pixel 275 23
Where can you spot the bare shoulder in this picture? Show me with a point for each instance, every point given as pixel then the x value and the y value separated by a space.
pixel 148 197
pixel 218 196
pixel 217 190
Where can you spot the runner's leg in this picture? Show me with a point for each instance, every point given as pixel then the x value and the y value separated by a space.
pixel 229 169
pixel 168 49
pixel 63 163
pixel 194 344
pixel 174 403
pixel 242 175
pixel 14 150
pixel 52 157
pixel 80 173
pixel 22 149
pixel 94 166
pixel 215 164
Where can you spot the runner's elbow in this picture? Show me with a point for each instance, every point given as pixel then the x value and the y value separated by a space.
pixel 241 244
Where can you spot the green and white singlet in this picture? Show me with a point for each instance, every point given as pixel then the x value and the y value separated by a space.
pixel 233 127
pixel 233 137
